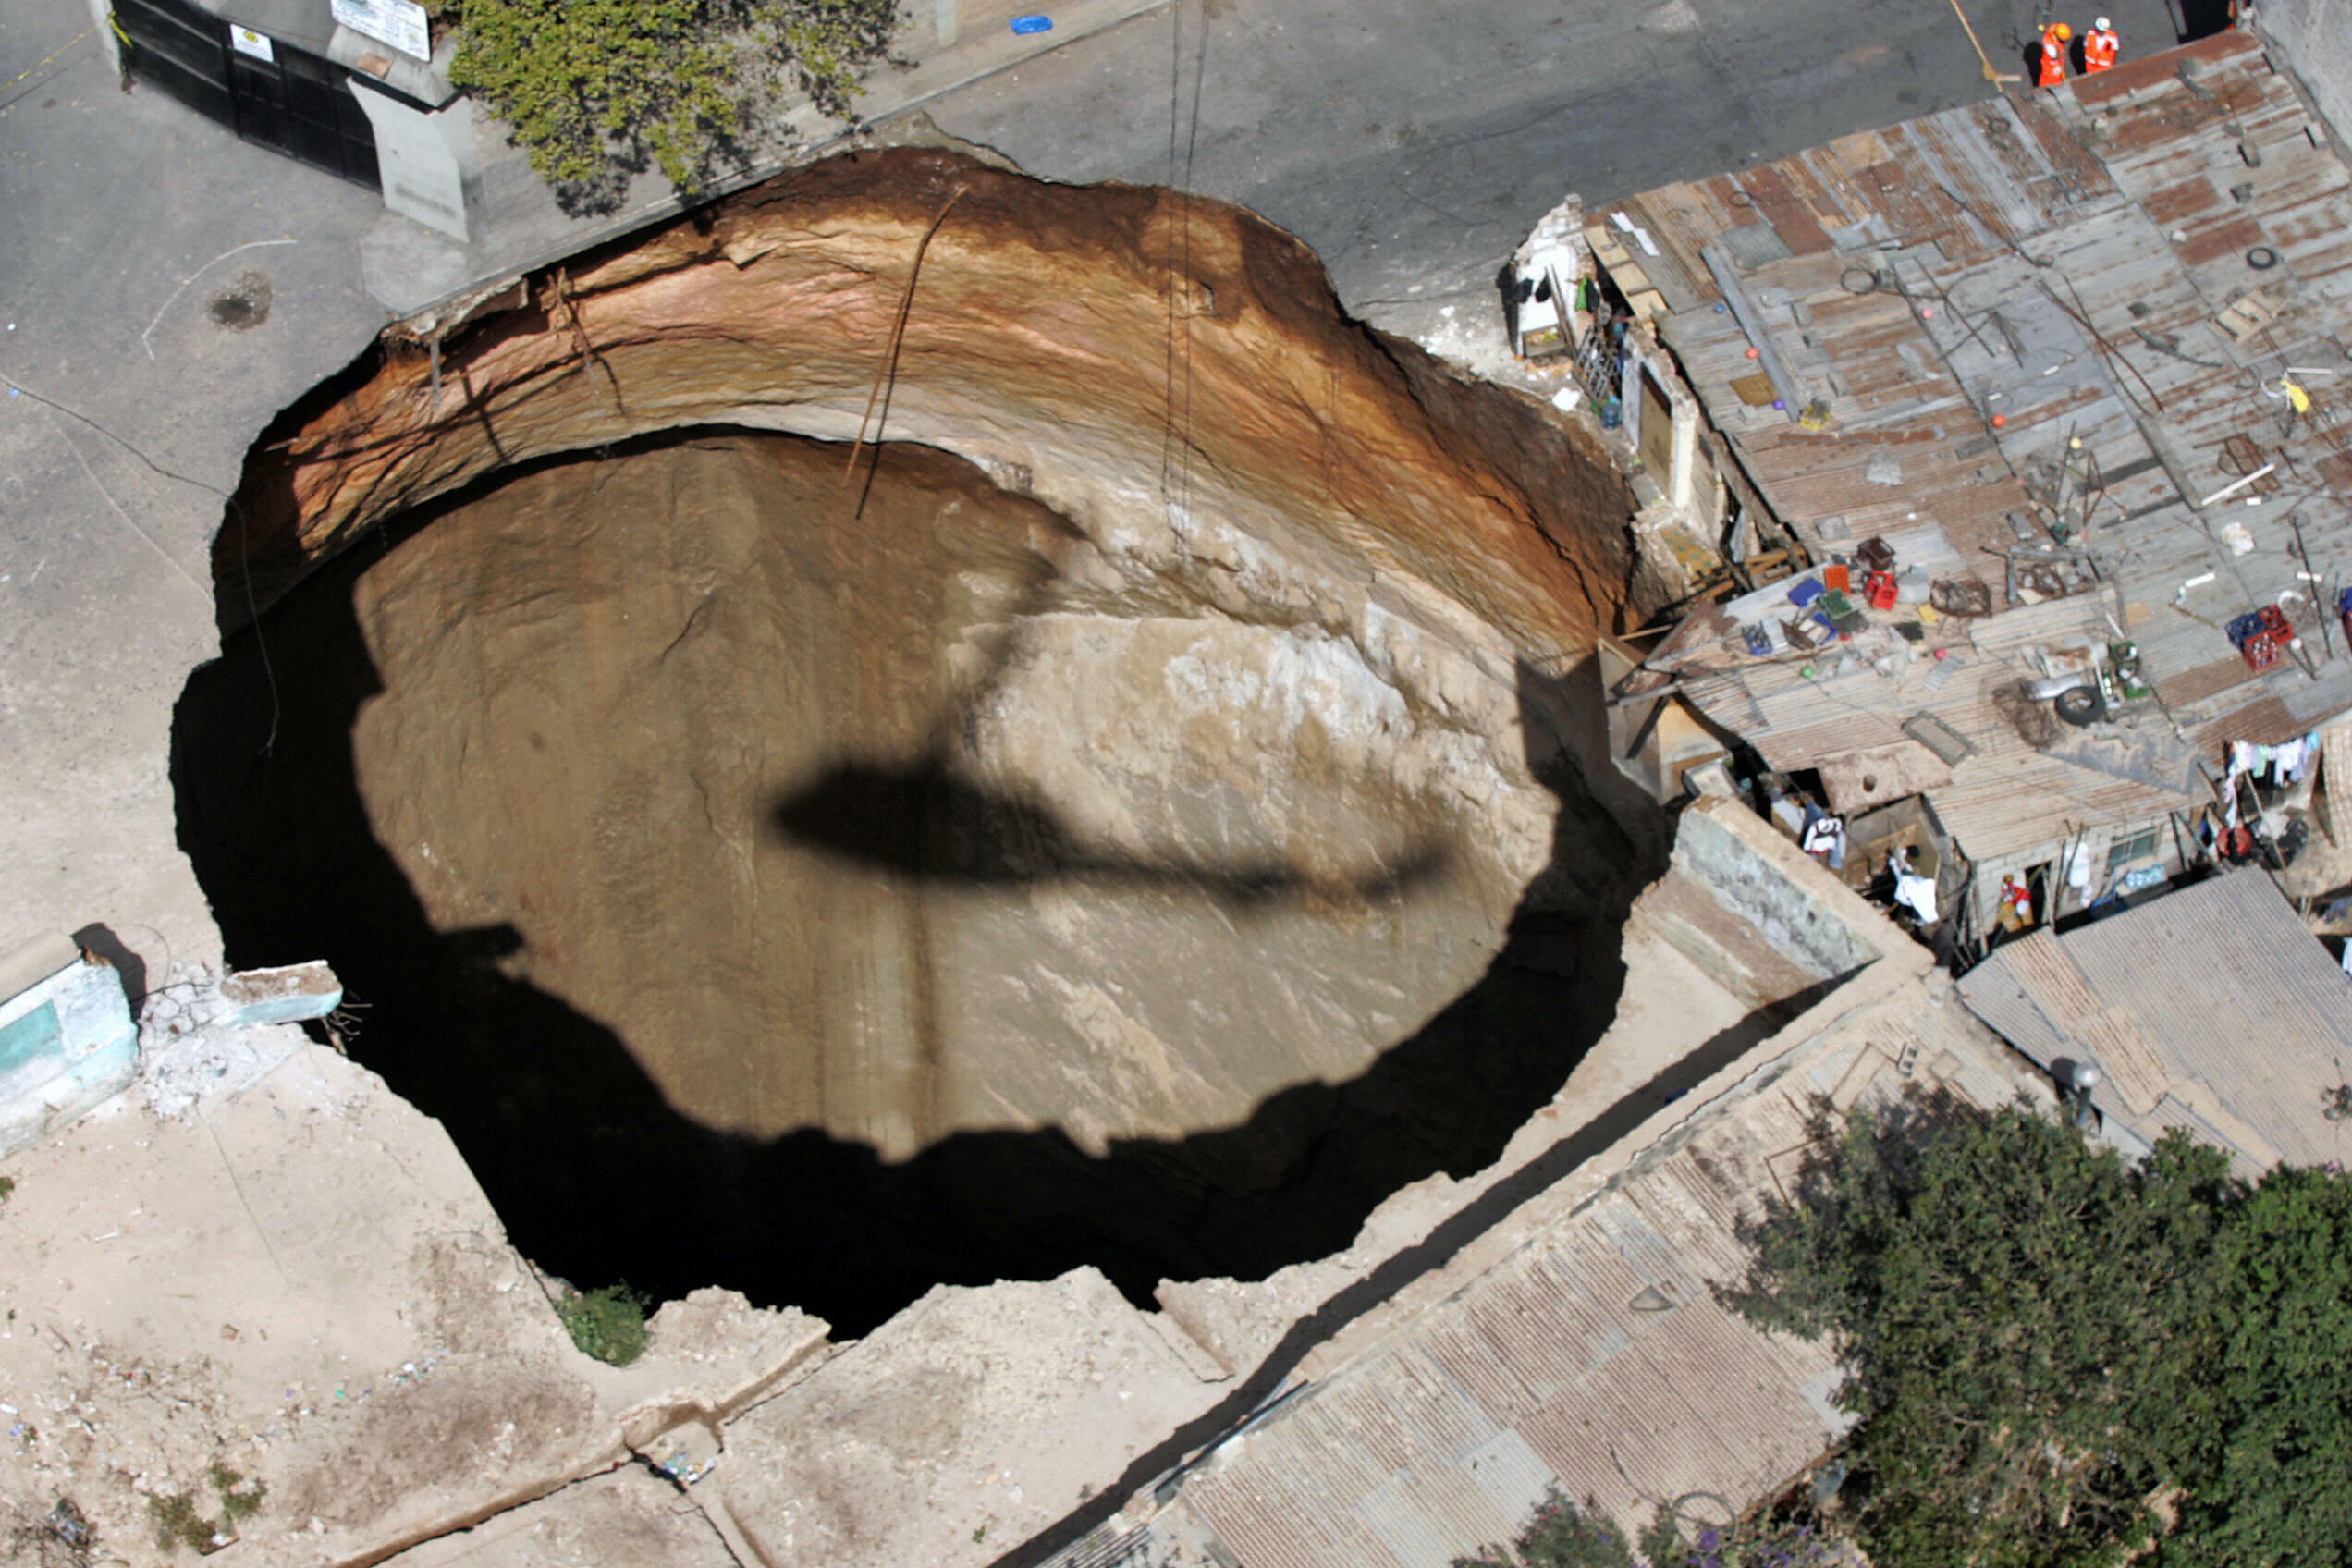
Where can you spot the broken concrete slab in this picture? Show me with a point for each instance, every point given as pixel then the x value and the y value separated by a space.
pixel 287 994
pixel 300 1287
pixel 960 1427
pixel 67 1044
pixel 625 1519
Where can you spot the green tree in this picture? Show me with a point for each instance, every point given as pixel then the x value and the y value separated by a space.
pixel 2280 1490
pixel 1559 1535
pixel 2059 1358
pixel 598 90
pixel 2027 1326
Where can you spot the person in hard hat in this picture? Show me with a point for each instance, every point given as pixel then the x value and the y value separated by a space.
pixel 2051 70
pixel 2100 47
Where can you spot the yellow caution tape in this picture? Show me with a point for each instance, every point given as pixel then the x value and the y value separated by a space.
pixel 68 43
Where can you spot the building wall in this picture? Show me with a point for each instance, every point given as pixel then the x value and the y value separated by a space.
pixel 2315 36
pixel 2097 844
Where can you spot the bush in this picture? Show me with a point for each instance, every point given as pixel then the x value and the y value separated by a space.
pixel 598 90
pixel 2044 1342
pixel 180 1522
pixel 1559 1535
pixel 609 1324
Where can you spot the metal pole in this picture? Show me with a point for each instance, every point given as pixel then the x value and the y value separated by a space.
pixel 943 21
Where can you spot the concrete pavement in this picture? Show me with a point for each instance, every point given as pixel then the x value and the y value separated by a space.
pixel 1412 144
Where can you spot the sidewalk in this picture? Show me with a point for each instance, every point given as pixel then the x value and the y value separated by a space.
pixel 410 268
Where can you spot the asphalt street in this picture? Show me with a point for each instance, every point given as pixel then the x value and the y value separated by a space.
pixel 1412 143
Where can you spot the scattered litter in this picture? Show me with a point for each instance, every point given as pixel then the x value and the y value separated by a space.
pixel 1566 400
pixel 1033 24
pixel 684 1471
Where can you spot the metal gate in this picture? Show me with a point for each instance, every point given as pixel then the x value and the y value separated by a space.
pixel 296 103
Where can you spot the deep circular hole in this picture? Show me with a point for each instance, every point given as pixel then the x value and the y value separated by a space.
pixel 829 890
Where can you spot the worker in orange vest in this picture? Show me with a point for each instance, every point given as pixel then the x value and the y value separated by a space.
pixel 2099 46
pixel 2054 39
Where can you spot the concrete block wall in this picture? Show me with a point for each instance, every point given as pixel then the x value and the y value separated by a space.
pixel 2315 36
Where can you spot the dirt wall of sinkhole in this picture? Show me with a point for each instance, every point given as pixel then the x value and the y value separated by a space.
pixel 1163 776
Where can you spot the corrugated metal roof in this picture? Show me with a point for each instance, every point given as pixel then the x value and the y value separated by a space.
pixel 2220 983
pixel 2059 259
pixel 1553 1367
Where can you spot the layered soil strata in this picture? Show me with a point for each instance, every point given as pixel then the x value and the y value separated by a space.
pixel 826 873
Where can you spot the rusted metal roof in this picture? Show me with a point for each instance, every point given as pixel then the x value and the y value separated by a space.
pixel 2218 987
pixel 2066 261
pixel 1594 1358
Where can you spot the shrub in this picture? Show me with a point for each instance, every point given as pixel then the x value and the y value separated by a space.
pixel 608 1323
pixel 598 90
pixel 1559 1535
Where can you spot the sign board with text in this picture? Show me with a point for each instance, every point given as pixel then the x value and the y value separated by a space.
pixel 400 23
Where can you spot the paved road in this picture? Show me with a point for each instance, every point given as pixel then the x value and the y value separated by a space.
pixel 115 213
pixel 1413 142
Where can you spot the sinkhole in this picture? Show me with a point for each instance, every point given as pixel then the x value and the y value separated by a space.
pixel 1141 821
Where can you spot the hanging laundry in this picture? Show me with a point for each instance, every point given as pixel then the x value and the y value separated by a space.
pixel 1913 891
pixel 1825 837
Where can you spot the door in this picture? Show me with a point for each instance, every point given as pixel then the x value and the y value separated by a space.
pixel 295 103
pixel 1657 430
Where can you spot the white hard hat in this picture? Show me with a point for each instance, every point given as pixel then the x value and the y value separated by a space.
pixel 2105 24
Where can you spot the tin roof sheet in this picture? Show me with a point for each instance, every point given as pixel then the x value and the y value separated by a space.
pixel 1555 1367
pixel 2063 261
pixel 2219 985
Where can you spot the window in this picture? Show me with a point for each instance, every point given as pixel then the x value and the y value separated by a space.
pixel 2138 846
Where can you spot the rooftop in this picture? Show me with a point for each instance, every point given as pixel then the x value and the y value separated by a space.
pixel 1582 1343
pixel 1597 1356
pixel 2210 1009
pixel 2132 263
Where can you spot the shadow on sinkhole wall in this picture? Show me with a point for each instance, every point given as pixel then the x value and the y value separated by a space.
pixel 598 1179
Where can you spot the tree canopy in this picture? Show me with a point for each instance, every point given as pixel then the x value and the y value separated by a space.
pixel 597 89
pixel 2059 1358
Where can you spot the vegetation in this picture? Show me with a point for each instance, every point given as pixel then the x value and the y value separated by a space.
pixel 2060 1359
pixel 1561 1535
pixel 609 1324
pixel 599 90
pixel 179 1522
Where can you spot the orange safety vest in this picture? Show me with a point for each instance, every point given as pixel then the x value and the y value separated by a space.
pixel 2053 63
pixel 2098 50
